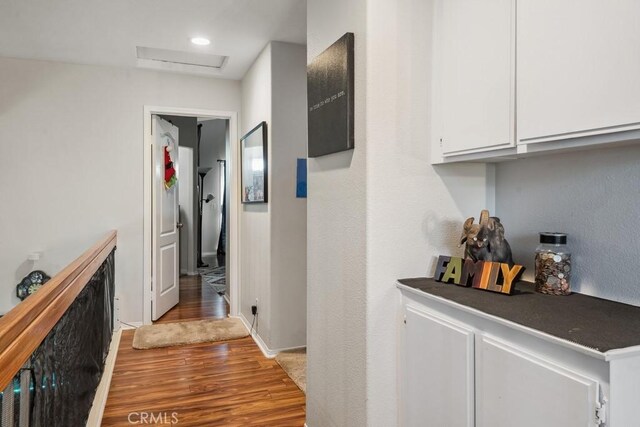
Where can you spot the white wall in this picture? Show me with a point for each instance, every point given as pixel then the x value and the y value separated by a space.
pixel 336 252
pixel 255 231
pixel 288 214
pixel 591 195
pixel 212 147
pixel 273 235
pixel 414 211
pixel 401 211
pixel 71 161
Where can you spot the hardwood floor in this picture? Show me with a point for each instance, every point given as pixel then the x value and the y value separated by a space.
pixel 212 384
pixel 197 301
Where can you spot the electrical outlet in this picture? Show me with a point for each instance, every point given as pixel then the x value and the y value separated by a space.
pixel 254 309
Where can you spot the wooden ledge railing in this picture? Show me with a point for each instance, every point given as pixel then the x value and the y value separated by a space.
pixel 24 327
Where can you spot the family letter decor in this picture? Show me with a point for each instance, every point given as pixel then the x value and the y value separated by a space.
pixel 487 275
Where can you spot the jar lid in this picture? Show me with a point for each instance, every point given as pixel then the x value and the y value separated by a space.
pixel 553 238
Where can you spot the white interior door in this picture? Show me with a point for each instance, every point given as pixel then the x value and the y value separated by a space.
pixel 165 286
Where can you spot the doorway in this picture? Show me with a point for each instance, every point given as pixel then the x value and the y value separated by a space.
pixel 212 207
pixel 213 149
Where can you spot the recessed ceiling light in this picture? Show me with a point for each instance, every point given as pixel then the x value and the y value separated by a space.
pixel 200 41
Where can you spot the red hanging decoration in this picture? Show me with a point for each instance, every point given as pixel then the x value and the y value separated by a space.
pixel 169 172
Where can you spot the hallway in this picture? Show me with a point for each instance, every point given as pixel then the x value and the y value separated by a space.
pixel 210 384
pixel 197 300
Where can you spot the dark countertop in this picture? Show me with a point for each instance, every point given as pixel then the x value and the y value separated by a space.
pixel 592 322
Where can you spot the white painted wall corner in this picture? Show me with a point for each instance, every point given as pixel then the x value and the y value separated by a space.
pixel 266 351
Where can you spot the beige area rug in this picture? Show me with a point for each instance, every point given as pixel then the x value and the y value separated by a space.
pixel 294 363
pixel 181 333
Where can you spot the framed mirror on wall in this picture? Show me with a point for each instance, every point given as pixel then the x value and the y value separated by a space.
pixel 254 165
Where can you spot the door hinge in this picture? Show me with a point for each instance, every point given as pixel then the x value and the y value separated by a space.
pixel 440 142
pixel 601 412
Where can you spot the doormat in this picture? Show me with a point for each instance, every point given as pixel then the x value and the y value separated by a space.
pixel 294 363
pixel 181 333
pixel 214 277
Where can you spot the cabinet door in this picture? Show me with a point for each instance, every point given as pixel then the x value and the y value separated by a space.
pixel 437 372
pixel 474 75
pixel 514 388
pixel 578 68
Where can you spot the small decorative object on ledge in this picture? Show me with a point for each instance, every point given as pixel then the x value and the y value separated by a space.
pixel 553 265
pixel 31 283
pixel 487 264
pixel 485 241
pixel 487 275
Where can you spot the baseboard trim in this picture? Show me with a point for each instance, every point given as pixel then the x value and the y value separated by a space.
pixel 266 351
pixel 130 325
pixel 269 354
pixel 102 392
pixel 297 347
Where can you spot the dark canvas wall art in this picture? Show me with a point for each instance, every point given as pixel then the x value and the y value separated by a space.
pixel 330 98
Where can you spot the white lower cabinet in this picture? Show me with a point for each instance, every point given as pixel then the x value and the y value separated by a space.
pixel 516 388
pixel 460 367
pixel 438 371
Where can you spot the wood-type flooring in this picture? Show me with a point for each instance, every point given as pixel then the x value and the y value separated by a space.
pixel 212 384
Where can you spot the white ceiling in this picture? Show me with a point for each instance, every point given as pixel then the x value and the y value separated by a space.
pixel 107 31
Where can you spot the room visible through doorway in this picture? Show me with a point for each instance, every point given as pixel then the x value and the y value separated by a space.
pixel 201 169
pixel 212 168
pixel 206 217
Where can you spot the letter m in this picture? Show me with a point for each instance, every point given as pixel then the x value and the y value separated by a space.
pixel 471 270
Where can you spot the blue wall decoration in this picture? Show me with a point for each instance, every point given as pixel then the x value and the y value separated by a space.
pixel 301 179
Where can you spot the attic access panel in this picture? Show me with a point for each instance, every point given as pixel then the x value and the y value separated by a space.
pixel 330 99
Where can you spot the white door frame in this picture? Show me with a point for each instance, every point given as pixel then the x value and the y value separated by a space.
pixel 233 200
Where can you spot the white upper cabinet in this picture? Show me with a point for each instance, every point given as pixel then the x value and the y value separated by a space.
pixel 474 68
pixel 578 68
